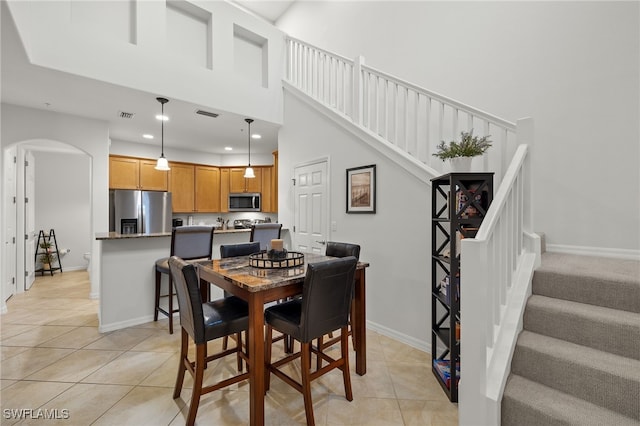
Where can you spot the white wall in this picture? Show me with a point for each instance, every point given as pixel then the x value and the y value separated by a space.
pixel 63 203
pixel 394 239
pixel 20 124
pixel 83 38
pixel 572 66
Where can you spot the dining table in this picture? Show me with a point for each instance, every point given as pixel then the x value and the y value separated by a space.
pixel 259 285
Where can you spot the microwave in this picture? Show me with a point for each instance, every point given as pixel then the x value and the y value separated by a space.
pixel 244 202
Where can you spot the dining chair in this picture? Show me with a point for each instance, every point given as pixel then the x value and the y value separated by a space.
pixel 188 243
pixel 234 250
pixel 338 249
pixel 202 322
pixel 264 233
pixel 324 306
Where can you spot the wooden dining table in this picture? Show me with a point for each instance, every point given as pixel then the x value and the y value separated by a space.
pixel 258 286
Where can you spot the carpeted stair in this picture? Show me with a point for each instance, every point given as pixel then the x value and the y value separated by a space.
pixel 577 361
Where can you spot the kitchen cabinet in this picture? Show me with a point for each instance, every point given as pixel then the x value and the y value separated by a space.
pixel 195 188
pixel 207 189
pixel 267 191
pixel 136 173
pixel 182 184
pixel 237 182
pixel 224 189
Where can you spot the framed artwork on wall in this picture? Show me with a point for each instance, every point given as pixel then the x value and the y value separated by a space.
pixel 361 189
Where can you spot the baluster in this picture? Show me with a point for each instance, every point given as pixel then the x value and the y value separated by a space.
pixel 386 109
pixel 395 113
pixel 454 122
pixel 376 107
pixel 485 158
pixel 406 119
pixel 416 111
pixel 440 122
pixel 428 129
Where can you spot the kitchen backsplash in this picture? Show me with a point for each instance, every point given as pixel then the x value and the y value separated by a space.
pixel 212 218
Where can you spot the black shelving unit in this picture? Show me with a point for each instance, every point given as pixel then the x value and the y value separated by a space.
pixel 459 203
pixel 50 241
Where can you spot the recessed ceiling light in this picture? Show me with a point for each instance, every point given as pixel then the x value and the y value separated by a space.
pixel 256 136
pixel 162 117
pixel 228 148
pixel 147 136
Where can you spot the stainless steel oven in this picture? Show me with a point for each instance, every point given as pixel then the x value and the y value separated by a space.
pixel 244 202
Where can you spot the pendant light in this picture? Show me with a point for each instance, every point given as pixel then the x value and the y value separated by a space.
pixel 248 173
pixel 162 163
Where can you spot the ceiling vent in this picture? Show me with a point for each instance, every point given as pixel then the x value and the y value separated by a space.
pixel 207 113
pixel 127 115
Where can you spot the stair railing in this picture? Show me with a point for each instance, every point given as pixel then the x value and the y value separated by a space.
pixel 405 115
pixel 495 283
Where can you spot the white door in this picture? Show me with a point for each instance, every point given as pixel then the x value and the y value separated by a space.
pixel 11 215
pixel 311 209
pixel 29 220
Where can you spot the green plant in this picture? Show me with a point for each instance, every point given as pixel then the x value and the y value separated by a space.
pixel 47 257
pixel 469 146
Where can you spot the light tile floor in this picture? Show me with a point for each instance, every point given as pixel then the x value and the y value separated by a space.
pixel 54 358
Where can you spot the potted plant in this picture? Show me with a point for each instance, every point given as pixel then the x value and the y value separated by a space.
pixel 461 153
pixel 47 257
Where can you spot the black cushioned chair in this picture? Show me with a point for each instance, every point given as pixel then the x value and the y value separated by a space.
pixel 264 233
pixel 323 307
pixel 336 249
pixel 188 243
pixel 203 322
pixel 234 250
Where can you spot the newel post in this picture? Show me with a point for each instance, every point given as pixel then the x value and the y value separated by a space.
pixel 525 136
pixel 357 97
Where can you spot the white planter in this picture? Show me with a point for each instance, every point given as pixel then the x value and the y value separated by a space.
pixel 461 164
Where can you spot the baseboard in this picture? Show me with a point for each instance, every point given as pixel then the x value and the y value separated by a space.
pixel 401 337
pixel 104 328
pixel 594 251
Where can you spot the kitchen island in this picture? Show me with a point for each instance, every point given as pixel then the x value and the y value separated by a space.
pixel 127 273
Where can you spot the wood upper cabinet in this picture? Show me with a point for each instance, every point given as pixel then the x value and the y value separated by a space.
pixel 207 189
pixel 136 173
pixel 182 184
pixel 237 182
pixel 224 189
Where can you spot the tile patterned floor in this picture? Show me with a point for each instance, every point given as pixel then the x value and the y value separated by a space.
pixel 54 358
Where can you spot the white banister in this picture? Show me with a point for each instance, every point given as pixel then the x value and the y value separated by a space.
pixel 410 117
pixel 496 269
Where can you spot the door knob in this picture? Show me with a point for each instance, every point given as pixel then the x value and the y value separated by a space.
pixel 321 242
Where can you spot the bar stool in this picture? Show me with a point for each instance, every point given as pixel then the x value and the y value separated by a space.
pixel 188 243
pixel 264 233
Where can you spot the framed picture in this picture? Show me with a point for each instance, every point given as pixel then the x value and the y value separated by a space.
pixel 361 189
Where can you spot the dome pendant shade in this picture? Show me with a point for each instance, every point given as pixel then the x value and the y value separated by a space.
pixel 248 173
pixel 162 164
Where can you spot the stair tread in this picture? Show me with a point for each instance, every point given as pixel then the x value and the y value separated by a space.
pixel 596 312
pixel 623 270
pixel 555 405
pixel 606 329
pixel 613 283
pixel 579 354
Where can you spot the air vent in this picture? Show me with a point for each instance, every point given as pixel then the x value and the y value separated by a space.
pixel 207 113
pixel 127 115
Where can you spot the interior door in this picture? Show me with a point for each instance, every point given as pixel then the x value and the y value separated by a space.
pixel 311 209
pixel 29 220
pixel 11 214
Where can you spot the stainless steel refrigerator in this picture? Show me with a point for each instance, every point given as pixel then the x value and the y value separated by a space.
pixel 139 212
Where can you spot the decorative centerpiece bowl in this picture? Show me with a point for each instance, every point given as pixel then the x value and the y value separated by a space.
pixel 278 260
pixel 274 254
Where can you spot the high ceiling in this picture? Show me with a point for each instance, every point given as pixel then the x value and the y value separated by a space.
pixel 36 87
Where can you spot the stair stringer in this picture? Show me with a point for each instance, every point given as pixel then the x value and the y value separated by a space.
pixel 408 163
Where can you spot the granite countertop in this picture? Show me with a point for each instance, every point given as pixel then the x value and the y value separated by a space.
pixel 118 236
